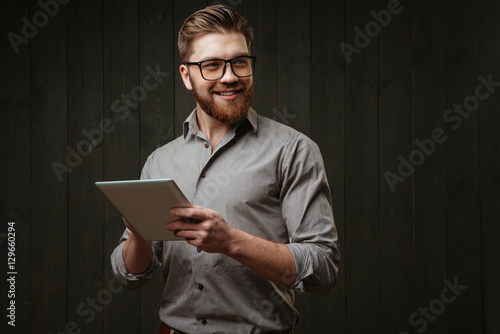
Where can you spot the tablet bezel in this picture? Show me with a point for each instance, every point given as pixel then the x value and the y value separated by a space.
pixel 146 205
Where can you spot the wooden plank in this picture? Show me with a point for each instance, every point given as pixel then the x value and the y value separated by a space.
pixel 489 161
pixel 293 60
pixel 237 5
pixel 430 252
pixel 49 243
pixel 395 139
pixel 361 176
pixel 16 161
pixel 261 17
pixel 157 49
pixel 121 97
pixel 327 130
pixel 85 204
pixel 462 182
pixel 184 99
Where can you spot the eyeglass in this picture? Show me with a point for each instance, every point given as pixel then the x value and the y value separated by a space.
pixel 214 69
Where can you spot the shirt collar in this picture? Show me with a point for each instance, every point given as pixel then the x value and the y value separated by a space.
pixel 191 123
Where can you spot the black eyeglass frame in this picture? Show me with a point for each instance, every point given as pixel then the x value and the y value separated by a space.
pixel 253 58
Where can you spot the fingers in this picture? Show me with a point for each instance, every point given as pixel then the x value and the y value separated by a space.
pixel 180 225
pixel 192 237
pixel 208 232
pixel 190 234
pixel 194 218
pixel 195 212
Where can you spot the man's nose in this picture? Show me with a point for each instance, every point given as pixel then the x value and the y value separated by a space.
pixel 228 75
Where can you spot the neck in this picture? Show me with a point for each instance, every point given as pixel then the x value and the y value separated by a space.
pixel 213 129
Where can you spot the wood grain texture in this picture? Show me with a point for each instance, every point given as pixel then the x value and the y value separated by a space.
pixel 327 130
pixel 293 59
pixel 15 204
pixel 370 111
pixel 49 196
pixel 462 181
pixel 489 162
pixel 362 252
pixel 264 25
pixel 121 83
pixel 85 203
pixel 430 251
pixel 395 139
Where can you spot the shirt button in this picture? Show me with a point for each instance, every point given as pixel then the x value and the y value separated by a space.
pixel 206 145
pixel 203 175
pixel 204 322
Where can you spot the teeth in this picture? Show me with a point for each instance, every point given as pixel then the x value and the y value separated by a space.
pixel 227 93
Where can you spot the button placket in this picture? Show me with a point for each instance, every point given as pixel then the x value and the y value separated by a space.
pixel 205 156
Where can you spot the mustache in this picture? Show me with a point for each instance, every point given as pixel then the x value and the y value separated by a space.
pixel 219 87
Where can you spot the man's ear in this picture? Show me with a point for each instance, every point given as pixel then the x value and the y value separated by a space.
pixel 185 77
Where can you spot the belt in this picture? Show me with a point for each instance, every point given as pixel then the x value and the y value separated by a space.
pixel 165 330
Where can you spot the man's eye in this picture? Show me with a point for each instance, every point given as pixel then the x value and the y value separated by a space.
pixel 240 62
pixel 211 65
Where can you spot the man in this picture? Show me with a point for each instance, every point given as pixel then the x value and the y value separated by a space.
pixel 261 226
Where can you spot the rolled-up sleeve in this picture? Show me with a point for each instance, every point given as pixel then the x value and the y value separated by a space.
pixel 128 280
pixel 307 211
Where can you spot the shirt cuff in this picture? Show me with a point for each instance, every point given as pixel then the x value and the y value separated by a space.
pixel 303 266
pixel 131 281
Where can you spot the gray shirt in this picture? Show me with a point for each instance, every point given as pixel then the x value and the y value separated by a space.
pixel 264 178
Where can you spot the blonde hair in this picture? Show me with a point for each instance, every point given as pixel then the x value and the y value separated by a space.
pixel 217 18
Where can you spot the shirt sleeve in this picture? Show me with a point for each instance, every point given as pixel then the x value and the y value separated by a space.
pixel 307 212
pixel 128 280
pixel 131 281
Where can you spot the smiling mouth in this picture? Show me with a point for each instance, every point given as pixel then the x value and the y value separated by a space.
pixel 228 93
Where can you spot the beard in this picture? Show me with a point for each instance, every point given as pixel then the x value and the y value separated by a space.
pixel 230 112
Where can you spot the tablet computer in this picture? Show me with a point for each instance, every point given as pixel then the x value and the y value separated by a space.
pixel 146 204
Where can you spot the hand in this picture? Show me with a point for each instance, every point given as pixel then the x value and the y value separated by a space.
pixel 209 233
pixel 212 234
pixel 136 251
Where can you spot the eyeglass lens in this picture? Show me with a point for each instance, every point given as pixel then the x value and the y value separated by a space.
pixel 213 69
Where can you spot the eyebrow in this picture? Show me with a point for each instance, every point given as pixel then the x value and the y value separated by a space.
pixel 241 54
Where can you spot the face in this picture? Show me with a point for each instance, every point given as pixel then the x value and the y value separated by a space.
pixel 229 98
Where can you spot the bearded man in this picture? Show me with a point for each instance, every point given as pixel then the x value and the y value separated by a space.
pixel 261 226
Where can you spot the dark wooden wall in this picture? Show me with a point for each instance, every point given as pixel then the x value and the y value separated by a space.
pixel 367 109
